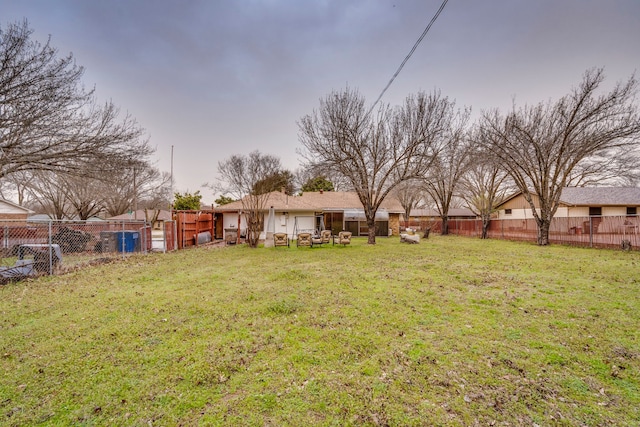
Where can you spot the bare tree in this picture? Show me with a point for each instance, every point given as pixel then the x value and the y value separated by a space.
pixel 132 184
pixel 484 186
pixel 374 153
pixel 47 120
pixel 549 146
pixel 239 178
pixel 46 195
pixel 449 165
pixel 608 168
pixel 410 194
pixel 17 185
pixel 156 193
pixel 83 195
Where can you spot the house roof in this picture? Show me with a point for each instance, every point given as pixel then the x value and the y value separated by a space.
pixel 316 201
pixel 140 214
pixel 594 196
pixel 601 196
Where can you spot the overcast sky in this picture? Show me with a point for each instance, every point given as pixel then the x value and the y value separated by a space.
pixel 217 78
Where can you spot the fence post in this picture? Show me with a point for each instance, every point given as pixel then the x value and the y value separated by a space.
pixel 184 222
pixel 175 235
pixel 590 232
pixel 122 248
pixel 197 229
pixel 50 250
pixel 164 237
pixel 142 231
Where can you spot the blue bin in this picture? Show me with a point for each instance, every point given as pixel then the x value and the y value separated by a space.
pixel 128 241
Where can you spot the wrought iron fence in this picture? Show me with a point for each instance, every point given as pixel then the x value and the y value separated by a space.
pixel 37 248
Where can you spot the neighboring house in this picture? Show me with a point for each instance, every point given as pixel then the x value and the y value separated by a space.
pixel 141 214
pixel 13 211
pixel 579 202
pixel 311 211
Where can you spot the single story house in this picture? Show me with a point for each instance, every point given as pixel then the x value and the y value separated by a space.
pixel 582 210
pixel 13 211
pixel 579 202
pixel 310 211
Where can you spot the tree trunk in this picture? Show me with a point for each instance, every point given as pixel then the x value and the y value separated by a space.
pixel 371 223
pixel 426 232
pixel 543 231
pixel 486 219
pixel 253 230
pixel 445 225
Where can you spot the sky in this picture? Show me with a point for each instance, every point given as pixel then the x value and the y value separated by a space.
pixel 208 79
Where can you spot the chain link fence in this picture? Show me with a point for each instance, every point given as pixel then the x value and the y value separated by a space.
pixel 39 248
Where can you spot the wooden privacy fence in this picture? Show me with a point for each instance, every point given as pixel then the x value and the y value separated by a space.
pixel 169 235
pixel 595 231
pixel 194 227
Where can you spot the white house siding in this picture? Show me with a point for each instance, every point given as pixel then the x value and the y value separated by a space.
pixel 11 211
pixel 574 211
pixel 284 223
pixel 614 211
pixel 564 212
pixel 522 213
pixel 520 209
pixel 582 211
pixel 230 220
pixel 306 223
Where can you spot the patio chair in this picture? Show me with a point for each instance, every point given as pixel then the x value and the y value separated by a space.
pixel 280 239
pixel 325 236
pixel 304 239
pixel 344 238
pixel 316 240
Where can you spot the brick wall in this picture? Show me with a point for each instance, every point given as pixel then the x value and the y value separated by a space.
pixel 394 224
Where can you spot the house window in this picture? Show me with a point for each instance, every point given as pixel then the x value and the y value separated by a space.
pixel 632 211
pixel 507 211
pixel 595 211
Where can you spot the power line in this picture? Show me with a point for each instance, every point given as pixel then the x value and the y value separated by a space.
pixel 413 49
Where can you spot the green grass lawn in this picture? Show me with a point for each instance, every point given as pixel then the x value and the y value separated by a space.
pixel 452 331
